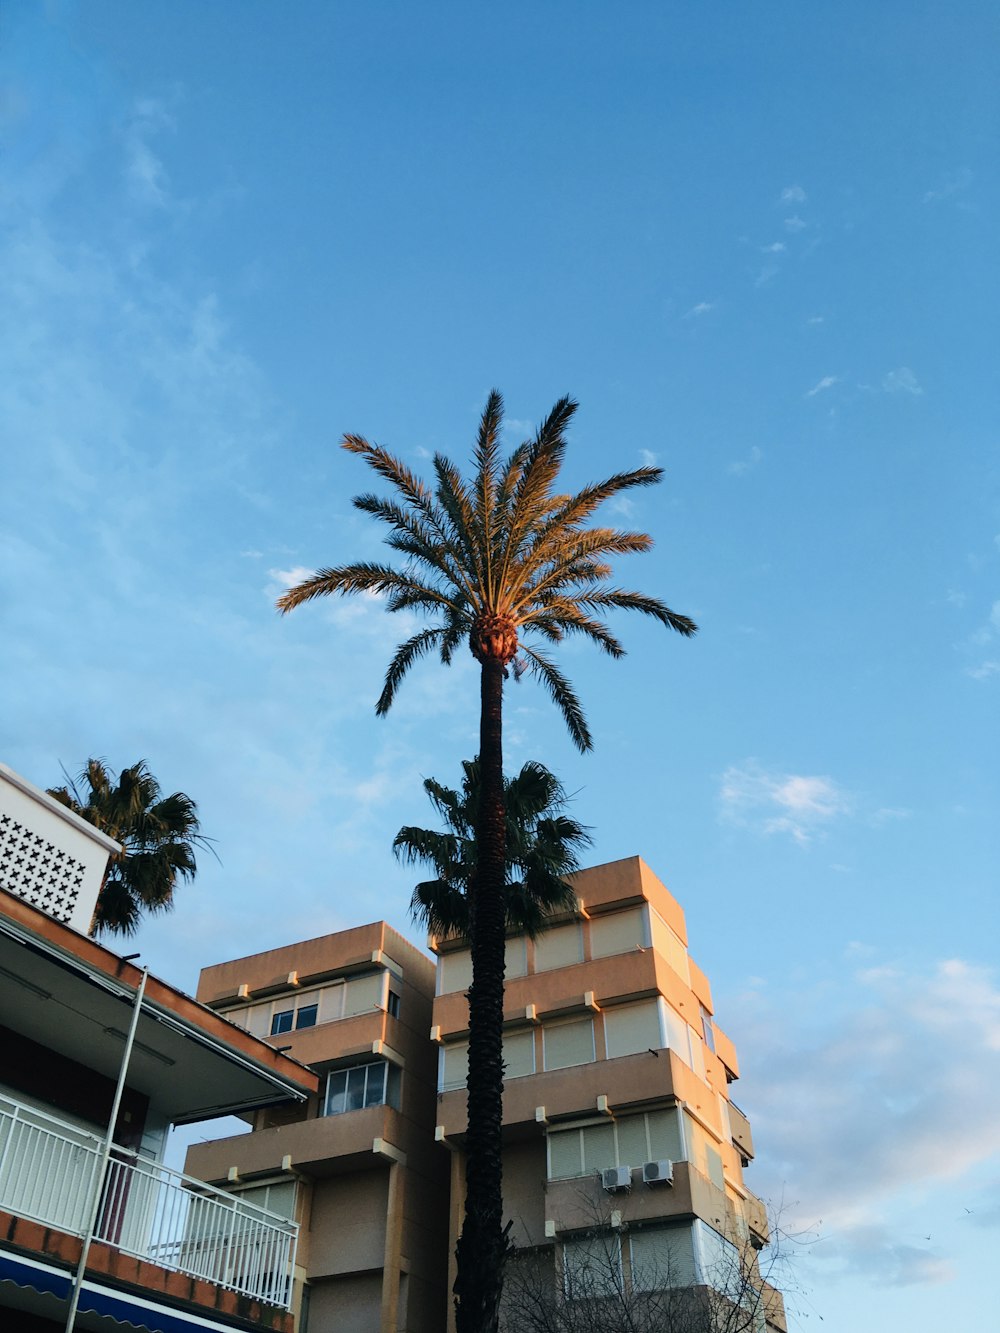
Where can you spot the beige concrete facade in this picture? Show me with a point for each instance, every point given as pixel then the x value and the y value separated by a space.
pixel 615 1063
pixel 358 1164
pixel 617 1110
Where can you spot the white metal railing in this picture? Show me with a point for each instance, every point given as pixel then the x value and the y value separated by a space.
pixel 48 1172
pixel 47 1167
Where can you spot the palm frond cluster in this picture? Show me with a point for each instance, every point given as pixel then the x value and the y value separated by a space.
pixel 542 845
pixel 498 557
pixel 158 835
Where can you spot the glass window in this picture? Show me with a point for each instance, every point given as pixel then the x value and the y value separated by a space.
pixel 454 1065
pixel 393 1005
pixel 569 1043
pixel 707 1030
pixel 359 1086
pixel 282 1022
pixel 559 947
pixel 306 1016
pixel 651 1136
pixel 676 1031
pixel 669 946
pixel 618 932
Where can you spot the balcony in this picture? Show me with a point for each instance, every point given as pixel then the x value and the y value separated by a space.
pixel 49 1173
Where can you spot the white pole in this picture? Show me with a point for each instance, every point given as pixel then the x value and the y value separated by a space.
pixel 105 1158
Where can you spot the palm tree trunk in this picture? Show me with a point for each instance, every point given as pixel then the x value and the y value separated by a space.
pixel 482 1245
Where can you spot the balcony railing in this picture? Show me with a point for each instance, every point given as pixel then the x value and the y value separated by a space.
pixel 48 1173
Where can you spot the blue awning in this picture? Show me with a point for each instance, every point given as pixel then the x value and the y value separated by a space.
pixel 131 1311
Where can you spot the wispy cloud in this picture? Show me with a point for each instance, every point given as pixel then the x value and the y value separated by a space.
pixel 793 194
pixel 821 386
pixel 702 308
pixel 815 320
pixel 984 670
pixel 859 1099
pixel 145 173
pixel 902 380
pixel 952 185
pixel 742 465
pixel 797 804
pixel 775 248
pixel 795 223
pixel 649 459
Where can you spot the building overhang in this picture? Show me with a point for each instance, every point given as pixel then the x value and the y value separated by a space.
pixel 67 993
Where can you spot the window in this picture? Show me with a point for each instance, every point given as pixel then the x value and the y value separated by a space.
pixel 592 1266
pixel 560 946
pixel 352 1089
pixel 631 1028
pixel 454 969
pixel 518 1057
pixel 708 1032
pixel 393 1004
pixel 294 1012
pixel 569 1043
pixel 662 1257
pixel 618 932
pixel 670 946
pixel 339 999
pixel 653 1136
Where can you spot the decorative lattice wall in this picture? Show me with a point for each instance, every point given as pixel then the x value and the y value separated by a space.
pixel 33 868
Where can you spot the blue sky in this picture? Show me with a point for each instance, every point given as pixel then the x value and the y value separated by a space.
pixel 758 245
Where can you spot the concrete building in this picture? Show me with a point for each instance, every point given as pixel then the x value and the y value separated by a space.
pixel 624 1154
pixel 99 1060
pixel 371 1182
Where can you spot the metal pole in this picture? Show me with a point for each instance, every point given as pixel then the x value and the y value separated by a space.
pixel 105 1157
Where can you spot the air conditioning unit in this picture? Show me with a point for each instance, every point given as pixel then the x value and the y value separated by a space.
pixel 616 1178
pixel 658 1173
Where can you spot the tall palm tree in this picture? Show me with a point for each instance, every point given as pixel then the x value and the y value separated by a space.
pixel 158 835
pixel 541 851
pixel 493 560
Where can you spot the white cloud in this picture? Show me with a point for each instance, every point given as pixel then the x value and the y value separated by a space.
pixel 952 185
pixel 145 174
pixel 702 308
pixel 519 426
pixel 854 1101
pixel 814 320
pixel 795 223
pixel 793 194
pixel 776 248
pixel 984 671
pixel 743 465
pixel 827 382
pixel 902 380
pixel 797 804
pixel 765 275
pixel 288 578
pixel 649 459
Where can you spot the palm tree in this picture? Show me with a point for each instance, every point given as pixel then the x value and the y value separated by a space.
pixel 492 560
pixel 541 851
pixel 158 835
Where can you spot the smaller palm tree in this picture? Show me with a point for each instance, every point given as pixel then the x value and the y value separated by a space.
pixel 158 835
pixel 541 851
